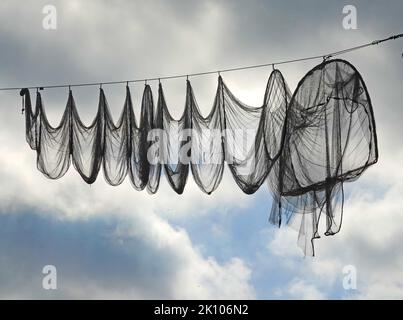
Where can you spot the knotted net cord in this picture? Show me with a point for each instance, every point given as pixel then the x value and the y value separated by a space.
pixel 305 145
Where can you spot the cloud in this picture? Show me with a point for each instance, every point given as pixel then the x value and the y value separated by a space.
pixel 116 257
pixel 107 242
pixel 300 290
pixel 370 240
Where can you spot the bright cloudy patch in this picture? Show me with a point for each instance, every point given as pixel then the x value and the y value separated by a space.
pixel 369 241
pixel 115 257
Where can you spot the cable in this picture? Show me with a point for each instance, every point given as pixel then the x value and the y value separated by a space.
pixel 145 80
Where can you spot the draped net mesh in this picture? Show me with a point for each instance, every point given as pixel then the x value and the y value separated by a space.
pixel 305 145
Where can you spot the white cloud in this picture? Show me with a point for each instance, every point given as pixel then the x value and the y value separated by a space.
pixel 172 265
pixel 144 218
pixel 191 276
pixel 300 290
pixel 370 239
pixel 103 28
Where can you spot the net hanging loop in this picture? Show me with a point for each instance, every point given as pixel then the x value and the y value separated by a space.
pixel 327 57
pixel 23 104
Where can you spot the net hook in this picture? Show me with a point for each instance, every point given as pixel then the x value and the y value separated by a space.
pixel 23 102
pixel 325 58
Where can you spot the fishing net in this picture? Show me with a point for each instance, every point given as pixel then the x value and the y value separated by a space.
pixel 159 142
pixel 330 139
pixel 306 145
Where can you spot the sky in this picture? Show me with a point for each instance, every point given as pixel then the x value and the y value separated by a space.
pixel 116 243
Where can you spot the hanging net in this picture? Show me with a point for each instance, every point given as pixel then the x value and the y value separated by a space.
pixel 330 139
pixel 305 145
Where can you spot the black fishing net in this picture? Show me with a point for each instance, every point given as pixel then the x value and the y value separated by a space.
pixel 330 139
pixel 305 145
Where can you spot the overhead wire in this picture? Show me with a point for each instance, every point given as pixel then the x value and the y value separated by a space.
pixel 217 71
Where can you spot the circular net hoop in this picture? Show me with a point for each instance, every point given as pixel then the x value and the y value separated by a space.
pixel 331 139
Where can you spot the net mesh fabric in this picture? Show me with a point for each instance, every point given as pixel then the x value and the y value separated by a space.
pixel 305 145
pixel 330 139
